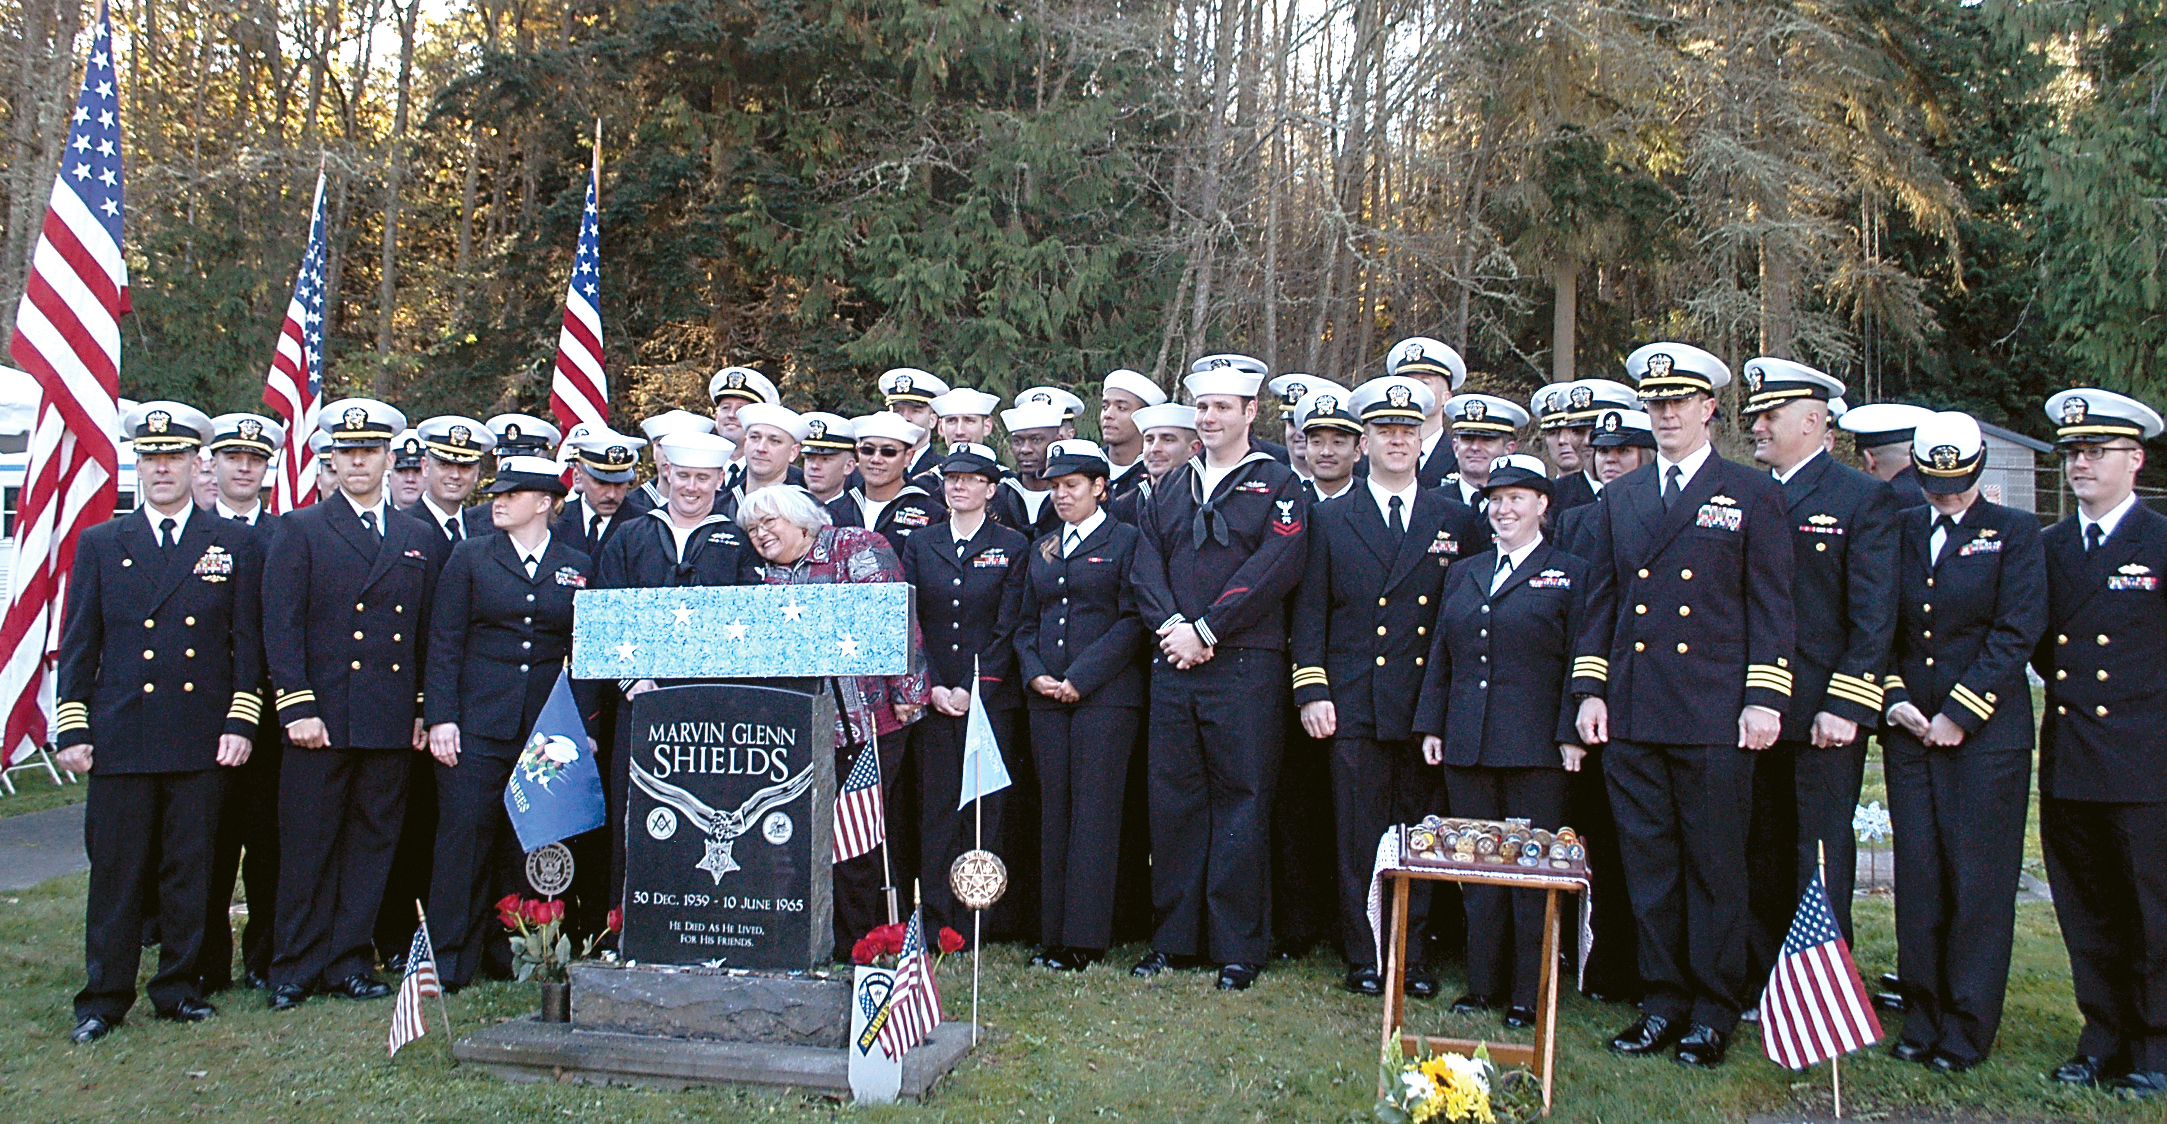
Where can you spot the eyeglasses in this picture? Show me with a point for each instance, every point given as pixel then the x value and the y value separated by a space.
pixel 880 450
pixel 2096 453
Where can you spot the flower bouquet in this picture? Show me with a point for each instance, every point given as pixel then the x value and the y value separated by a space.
pixel 541 949
pixel 884 944
pixel 1445 1088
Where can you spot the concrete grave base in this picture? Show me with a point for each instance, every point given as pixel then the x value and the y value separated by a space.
pixel 529 1050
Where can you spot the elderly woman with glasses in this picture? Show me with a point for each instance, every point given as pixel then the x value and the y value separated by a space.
pixel 799 545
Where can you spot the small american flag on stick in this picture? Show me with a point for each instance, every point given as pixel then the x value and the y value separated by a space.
pixel 914 1006
pixel 1815 1007
pixel 860 825
pixel 420 983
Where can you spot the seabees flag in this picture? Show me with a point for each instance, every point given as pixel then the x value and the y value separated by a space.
pixel 555 791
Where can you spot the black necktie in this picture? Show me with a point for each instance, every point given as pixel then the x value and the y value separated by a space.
pixel 595 524
pixel 451 528
pixel 2093 536
pixel 238 518
pixel 1399 525
pixel 1946 528
pixel 1504 567
pixel 1672 486
pixel 368 519
pixel 169 533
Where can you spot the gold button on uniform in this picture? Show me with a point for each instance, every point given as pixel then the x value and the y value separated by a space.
pixel 127 562
pixel 1418 661
pixel 188 686
pixel 147 653
pixel 188 620
pixel 149 687
pixel 2100 710
pixel 359 607
pixel 1380 601
pixel 2061 710
pixel 1681 649
pixel 1380 630
pixel 1423 600
pixel 357 635
pixel 2062 639
pixel 2102 675
pixel 1926 634
pixel 1422 630
pixel 149 623
pixel 1685 610
pixel 1640 609
pixel 356 665
pixel 1639 646
pixel 2102 638
pixel 1929 661
pixel 1686 574
pixel 1925 607
pixel 1929 583
pixel 1644 573
pixel 2061 673
pixel 1820 546
pixel 190 653
pixel 1380 661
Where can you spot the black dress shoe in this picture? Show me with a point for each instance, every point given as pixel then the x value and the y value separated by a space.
pixel 1892 981
pixel 285 997
pixel 189 1010
pixel 1238 977
pixel 1153 963
pixel 360 985
pixel 1907 1051
pixel 2142 1085
pixel 1072 959
pixel 1888 1001
pixel 1703 1047
pixel 1946 1062
pixel 1473 1004
pixel 1519 1018
pixel 90 1030
pixel 2079 1070
pixel 1421 982
pixel 395 964
pixel 254 981
pixel 1364 981
pixel 1648 1034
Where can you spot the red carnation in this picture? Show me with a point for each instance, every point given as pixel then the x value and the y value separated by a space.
pixel 951 941
pixel 616 922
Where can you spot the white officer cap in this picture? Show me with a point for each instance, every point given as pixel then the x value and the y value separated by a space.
pixel 319 443
pixel 1837 407
pixel 965 402
pixel 1675 370
pixel 1290 389
pixel 1882 423
pixel 1071 406
pixel 454 439
pixel 252 433
pixel 1484 414
pixel 1548 405
pixel 2087 415
pixel 1948 450
pixel 521 433
pixel 406 449
pixel 780 417
pixel 888 424
pixel 828 433
pixel 1036 415
pixel 1166 415
pixel 1067 458
pixel 1586 399
pixel 166 427
pixel 357 423
pixel 1394 400
pixel 1327 407
pixel 676 421
pixel 1421 355
pixel 742 382
pixel 692 449
pixel 605 454
pixel 1135 384
pixel 1770 382
pixel 909 384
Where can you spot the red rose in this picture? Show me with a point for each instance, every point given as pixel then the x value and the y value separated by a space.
pixel 508 911
pixel 531 909
pixel 951 941
pixel 865 951
pixel 890 938
pixel 616 922
pixel 553 910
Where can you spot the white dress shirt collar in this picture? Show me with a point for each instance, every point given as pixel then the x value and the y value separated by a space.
pixel 1384 500
pixel 1688 468
pixel 439 516
pixel 226 511
pixel 1784 476
pixel 1518 558
pixel 378 512
pixel 1076 534
pixel 179 518
pixel 2108 522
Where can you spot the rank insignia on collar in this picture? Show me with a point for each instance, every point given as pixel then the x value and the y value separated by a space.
pixel 2136 568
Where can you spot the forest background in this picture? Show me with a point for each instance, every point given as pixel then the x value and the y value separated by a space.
pixel 1962 205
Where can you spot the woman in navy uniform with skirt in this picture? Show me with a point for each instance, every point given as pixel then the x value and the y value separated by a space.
pixel 968 571
pixel 498 635
pixel 1494 712
pixel 1079 648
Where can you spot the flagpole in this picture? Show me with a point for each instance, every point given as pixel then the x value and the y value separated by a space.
pixel 1835 1064
pixel 978 842
pixel 443 1007
pixel 887 875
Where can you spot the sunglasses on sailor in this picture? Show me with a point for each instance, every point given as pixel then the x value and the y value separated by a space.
pixel 869 449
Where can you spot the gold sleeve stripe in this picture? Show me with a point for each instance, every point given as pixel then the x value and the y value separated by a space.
pixel 1775 671
pixel 290 698
pixel 1780 684
pixel 69 708
pixel 1310 677
pixel 1892 683
pixel 1591 667
pixel 1855 689
pixel 246 707
pixel 1972 702
pixel 71 716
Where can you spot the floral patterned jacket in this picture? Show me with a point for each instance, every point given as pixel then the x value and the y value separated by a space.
pixel 854 554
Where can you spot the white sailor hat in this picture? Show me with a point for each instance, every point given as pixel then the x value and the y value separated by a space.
pixel 1770 382
pixel 522 433
pixel 1421 355
pixel 828 433
pixel 676 421
pixel 1484 415
pixel 356 423
pixel 742 382
pixel 1586 399
pixel 1237 375
pixel 166 427
pixel 406 449
pixel 909 384
pixel 1837 407
pixel 769 414
pixel 1290 389
pixel 454 439
pixel 1882 423
pixel 1165 415
pixel 693 449
pixel 1949 452
pixel 1067 458
pixel 605 454
pixel 1675 370
pixel 1623 427
pixel 1071 406
pixel 1518 470
pixel 971 457
pixel 2087 415
pixel 1135 384
pixel 525 473
pixel 1327 407
pixel 1394 400
pixel 965 402
pixel 890 425
pixel 1228 360
pixel 251 433
pixel 1036 415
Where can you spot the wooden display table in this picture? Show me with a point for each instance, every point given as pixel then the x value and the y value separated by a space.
pixel 1540 1057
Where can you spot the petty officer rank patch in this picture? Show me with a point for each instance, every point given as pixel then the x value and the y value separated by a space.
pixel 998 556
pixel 2134 576
pixel 1720 512
pixel 1284 523
pixel 216 565
pixel 571 577
pixel 1821 525
pixel 1550 579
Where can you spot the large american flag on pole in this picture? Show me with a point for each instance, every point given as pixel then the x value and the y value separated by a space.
pixel 913 1008
pixel 1815 1007
pixel 67 335
pixel 294 388
pixel 578 388
pixel 860 824
pixel 420 983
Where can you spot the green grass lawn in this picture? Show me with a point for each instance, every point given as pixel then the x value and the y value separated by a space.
pixel 34 792
pixel 1097 1047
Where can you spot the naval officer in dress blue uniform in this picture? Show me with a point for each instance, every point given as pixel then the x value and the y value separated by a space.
pixel 1440 368
pixel 1569 429
pixel 2102 788
pixel 604 465
pixel 1882 432
pixel 346 613
pixel 1683 675
pixel 156 693
pixel 523 435
pixel 452 452
pixel 1971 602
pixel 1484 428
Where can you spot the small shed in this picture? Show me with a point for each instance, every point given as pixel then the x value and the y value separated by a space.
pixel 2012 468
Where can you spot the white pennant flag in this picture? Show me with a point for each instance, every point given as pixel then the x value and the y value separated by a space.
pixel 984 771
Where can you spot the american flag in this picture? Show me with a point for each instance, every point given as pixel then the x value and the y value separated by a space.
pixel 1815 1007
pixel 578 389
pixel 295 385
pixel 420 983
pixel 913 1008
pixel 67 334
pixel 860 825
